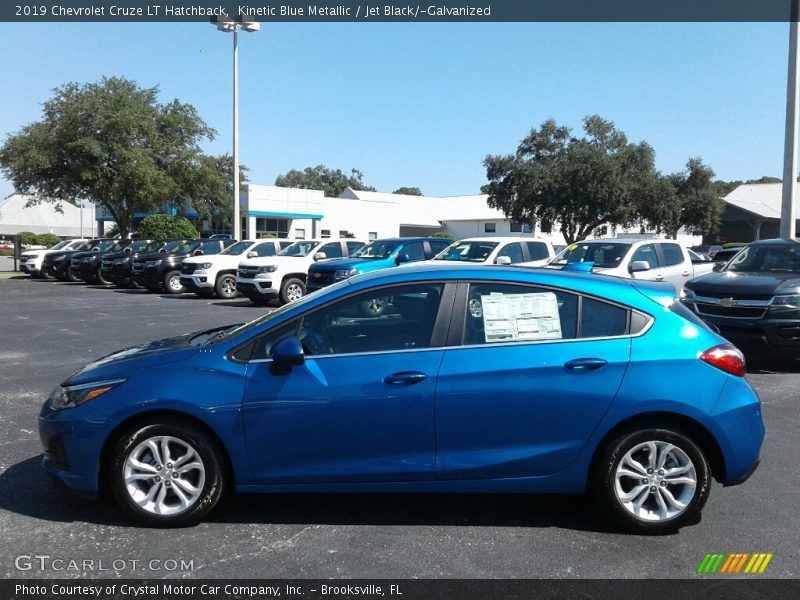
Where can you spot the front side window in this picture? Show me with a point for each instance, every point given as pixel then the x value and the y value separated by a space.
pixel 603 255
pixel 377 249
pixel 383 320
pixel 512 251
pixel 237 248
pixel 302 248
pixel 647 253
pixel 415 251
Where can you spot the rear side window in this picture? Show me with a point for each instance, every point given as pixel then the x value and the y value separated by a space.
pixel 352 247
pixel 537 250
pixel 498 313
pixel 673 255
pixel 600 319
pixel 438 245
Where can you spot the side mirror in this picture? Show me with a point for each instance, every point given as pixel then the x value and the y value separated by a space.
pixel 502 260
pixel 127 249
pixel 95 248
pixel 718 266
pixel 402 258
pixel 320 256
pixel 286 354
pixel 638 266
pixel 252 254
pixel 197 252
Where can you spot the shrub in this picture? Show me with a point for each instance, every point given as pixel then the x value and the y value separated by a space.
pixel 27 238
pixel 445 235
pixel 48 240
pixel 165 227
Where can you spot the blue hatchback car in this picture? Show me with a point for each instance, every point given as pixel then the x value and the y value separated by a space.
pixel 472 380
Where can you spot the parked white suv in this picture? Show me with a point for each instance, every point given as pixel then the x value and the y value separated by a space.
pixel 497 251
pixel 650 259
pixel 284 276
pixel 31 260
pixel 216 273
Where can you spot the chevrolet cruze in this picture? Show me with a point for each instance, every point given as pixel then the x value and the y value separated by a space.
pixel 472 380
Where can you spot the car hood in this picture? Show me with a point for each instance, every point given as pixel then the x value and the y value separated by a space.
pixel 278 260
pixel 160 255
pixel 362 264
pixel 219 259
pixel 159 352
pixel 35 253
pixel 732 282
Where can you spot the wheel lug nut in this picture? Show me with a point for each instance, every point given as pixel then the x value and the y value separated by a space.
pixel 663 484
pixel 169 466
pixel 169 484
pixel 644 480
pixel 158 478
pixel 649 471
pixel 661 472
pixel 652 489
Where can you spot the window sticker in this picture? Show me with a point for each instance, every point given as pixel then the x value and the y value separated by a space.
pixel 512 317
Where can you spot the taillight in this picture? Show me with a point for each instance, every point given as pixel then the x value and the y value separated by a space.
pixel 726 357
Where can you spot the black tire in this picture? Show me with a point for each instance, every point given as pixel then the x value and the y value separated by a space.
pixel 288 288
pixel 258 300
pixel 213 485
pixel 226 286
pixel 100 279
pixel 72 278
pixel 604 485
pixel 170 286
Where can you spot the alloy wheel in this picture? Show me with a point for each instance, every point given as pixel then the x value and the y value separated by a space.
pixel 294 292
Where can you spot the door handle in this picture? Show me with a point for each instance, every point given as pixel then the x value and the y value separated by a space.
pixel 659 278
pixel 404 378
pixel 584 365
pixel 685 273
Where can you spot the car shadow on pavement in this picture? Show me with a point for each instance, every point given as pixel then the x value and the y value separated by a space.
pixel 139 291
pixel 761 366
pixel 25 489
pixel 246 304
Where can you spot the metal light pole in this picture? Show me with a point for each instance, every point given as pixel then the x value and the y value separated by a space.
pixel 231 26
pixel 789 201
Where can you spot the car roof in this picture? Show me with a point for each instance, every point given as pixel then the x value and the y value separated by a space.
pixel 775 242
pixel 501 238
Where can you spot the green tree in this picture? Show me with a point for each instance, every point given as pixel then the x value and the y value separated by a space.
pixel 579 183
pixel 48 240
pixel 445 235
pixel 114 143
pixel 27 238
pixel 408 191
pixel 332 182
pixel 685 199
pixel 165 227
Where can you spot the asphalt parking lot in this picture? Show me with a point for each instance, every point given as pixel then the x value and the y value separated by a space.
pixel 50 329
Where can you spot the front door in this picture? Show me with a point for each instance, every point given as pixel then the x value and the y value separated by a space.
pixel 361 406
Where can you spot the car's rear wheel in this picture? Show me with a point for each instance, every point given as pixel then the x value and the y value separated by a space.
pixel 292 290
pixel 652 481
pixel 166 474
pixel 226 286
pixel 172 283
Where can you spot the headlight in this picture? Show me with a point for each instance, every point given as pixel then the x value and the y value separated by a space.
pixel 58 257
pixel 153 263
pixel 70 396
pixel 785 303
pixel 268 269
pixel 120 261
pixel 204 266
pixel 344 273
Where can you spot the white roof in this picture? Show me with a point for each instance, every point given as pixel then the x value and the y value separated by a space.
pixel 43 217
pixel 762 199
pixel 432 211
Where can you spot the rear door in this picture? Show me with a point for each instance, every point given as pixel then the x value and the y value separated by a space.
pixel 676 266
pixel 525 380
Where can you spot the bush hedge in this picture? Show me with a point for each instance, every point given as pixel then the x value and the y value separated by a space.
pixel 165 227
pixel 48 240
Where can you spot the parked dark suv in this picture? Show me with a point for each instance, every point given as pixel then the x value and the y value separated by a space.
pixel 754 300
pixel 57 264
pixel 87 265
pixel 162 271
pixel 115 267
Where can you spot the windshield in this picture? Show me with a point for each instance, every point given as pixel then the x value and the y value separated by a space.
pixel 603 255
pixel 766 259
pixel 474 251
pixel 170 246
pixel 84 246
pixel 114 246
pixel 60 244
pixel 301 248
pixel 185 247
pixel 377 249
pixel 237 249
pixel 139 245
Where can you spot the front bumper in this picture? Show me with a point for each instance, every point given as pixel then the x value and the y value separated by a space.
pixel 198 281
pixel 73 441
pixel 30 267
pixel 256 288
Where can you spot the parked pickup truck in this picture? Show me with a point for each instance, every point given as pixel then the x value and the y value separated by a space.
pixel 216 274
pixel 497 251
pixel 115 267
pixel 649 259
pixel 754 300
pixel 88 265
pixel 57 264
pixel 31 260
pixel 162 271
pixel 284 276
pixel 378 254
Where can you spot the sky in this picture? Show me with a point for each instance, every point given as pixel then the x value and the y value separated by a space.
pixel 422 104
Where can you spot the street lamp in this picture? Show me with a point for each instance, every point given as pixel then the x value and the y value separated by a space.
pixel 233 26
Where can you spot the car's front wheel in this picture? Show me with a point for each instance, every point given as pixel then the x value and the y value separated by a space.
pixel 226 286
pixel 172 283
pixel 166 474
pixel 292 290
pixel 100 279
pixel 652 481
